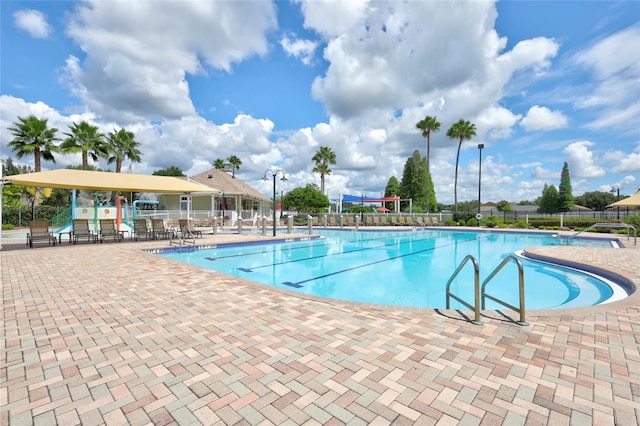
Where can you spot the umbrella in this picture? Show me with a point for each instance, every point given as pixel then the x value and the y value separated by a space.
pixel 383 209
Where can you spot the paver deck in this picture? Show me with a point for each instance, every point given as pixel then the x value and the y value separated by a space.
pixel 107 334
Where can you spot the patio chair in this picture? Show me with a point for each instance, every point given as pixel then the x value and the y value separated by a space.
pixel 81 230
pixel 140 229
pixel 39 232
pixel 187 230
pixel 108 230
pixel 159 231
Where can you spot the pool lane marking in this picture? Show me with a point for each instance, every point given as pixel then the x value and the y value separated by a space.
pixel 298 284
pixel 268 265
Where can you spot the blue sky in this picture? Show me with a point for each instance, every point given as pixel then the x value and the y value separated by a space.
pixel 270 82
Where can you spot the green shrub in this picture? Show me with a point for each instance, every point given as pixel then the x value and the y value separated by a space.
pixel 491 221
pixel 7 226
pixel 472 222
pixel 521 224
pixel 450 222
pixel 633 220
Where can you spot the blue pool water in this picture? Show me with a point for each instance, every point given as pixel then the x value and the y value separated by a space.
pixel 406 268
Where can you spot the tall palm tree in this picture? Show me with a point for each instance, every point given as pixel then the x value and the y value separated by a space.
pixel 323 158
pixel 427 125
pixel 32 136
pixel 121 145
pixel 235 164
pixel 218 164
pixel 460 130
pixel 86 139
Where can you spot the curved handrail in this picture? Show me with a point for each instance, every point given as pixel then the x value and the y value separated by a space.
pixel 521 309
pixel 476 274
pixel 611 225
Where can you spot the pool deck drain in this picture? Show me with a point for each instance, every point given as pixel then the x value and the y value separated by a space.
pixel 108 334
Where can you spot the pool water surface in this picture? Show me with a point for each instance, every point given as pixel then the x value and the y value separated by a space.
pixel 407 268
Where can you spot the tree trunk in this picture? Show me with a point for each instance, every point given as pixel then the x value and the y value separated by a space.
pixel 37 165
pixel 455 184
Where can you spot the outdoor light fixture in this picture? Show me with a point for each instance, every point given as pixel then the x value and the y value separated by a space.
pixel 274 173
pixel 616 189
pixel 480 147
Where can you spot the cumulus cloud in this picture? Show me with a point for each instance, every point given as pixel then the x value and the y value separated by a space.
pixel 135 67
pixel 34 22
pixel 614 61
pixel 540 173
pixel 542 118
pixel 628 164
pixel 398 54
pixel 298 48
pixel 581 160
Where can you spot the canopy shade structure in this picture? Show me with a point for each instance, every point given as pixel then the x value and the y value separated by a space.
pixel 633 201
pixel 104 181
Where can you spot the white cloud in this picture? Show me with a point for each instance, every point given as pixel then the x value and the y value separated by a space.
pixel 135 66
pixel 628 164
pixel 332 18
pixel 581 161
pixel 34 22
pixel 397 54
pixel 298 48
pixel 542 118
pixel 546 175
pixel 614 61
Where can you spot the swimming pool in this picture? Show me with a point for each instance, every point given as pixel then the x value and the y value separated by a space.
pixel 407 268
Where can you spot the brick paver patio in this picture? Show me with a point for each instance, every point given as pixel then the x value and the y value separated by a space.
pixel 107 334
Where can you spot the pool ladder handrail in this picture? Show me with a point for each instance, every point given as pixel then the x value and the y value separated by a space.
pixel 484 295
pixel 476 275
pixel 181 236
pixel 611 225
pixel 480 292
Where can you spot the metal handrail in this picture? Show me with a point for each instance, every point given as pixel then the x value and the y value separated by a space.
pixel 476 274
pixel 521 309
pixel 181 235
pixel 611 225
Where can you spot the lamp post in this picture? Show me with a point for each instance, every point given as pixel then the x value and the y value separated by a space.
pixel 616 189
pixel 480 147
pixel 273 174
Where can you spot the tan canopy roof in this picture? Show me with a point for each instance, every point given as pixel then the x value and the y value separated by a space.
pixel 104 181
pixel 633 201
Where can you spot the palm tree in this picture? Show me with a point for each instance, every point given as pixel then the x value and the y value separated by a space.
pixel 235 164
pixel 32 136
pixel 323 158
pixel 86 139
pixel 427 125
pixel 121 145
pixel 460 130
pixel 218 164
